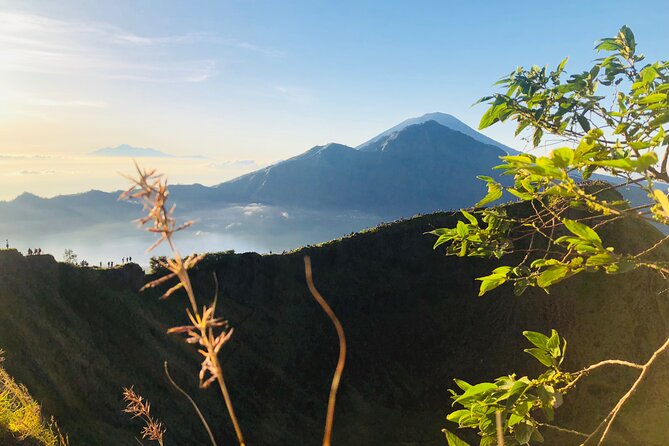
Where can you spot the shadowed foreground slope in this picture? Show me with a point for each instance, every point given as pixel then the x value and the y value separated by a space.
pixel 75 336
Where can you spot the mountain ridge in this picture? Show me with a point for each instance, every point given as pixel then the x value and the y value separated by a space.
pixel 405 308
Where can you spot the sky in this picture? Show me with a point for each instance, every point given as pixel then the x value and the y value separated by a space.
pixel 245 83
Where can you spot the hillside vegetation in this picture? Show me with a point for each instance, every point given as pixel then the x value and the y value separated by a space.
pixel 76 336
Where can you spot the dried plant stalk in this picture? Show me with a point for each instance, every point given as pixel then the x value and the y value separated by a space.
pixel 140 408
pixel 205 330
pixel 332 400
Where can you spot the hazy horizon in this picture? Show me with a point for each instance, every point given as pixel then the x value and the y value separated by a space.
pixel 258 81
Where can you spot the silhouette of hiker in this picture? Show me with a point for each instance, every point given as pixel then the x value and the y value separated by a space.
pixel 30 252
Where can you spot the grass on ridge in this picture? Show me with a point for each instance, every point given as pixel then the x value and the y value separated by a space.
pixel 21 419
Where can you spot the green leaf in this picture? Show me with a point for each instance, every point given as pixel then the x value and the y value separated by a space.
pixel 562 157
pixel 560 67
pixel 492 115
pixel 628 37
pixel 536 138
pixel 475 390
pixel 454 440
pixel 463 385
pixel 607 45
pixel 494 193
pixel 515 419
pixel 619 163
pixel 538 339
pixel 462 230
pixel 456 415
pixel 583 121
pixel 469 217
pixel 542 356
pixel 489 283
pixel 489 440
pixel 523 432
pixel 603 258
pixel 521 195
pixel 536 436
pixel 502 270
pixel 653 98
pixel 552 275
pixel 582 231
pixel 553 344
pixel 645 161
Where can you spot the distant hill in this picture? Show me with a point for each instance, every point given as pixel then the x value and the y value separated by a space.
pixel 444 119
pixel 125 150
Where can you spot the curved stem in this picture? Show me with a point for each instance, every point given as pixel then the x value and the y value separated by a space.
pixel 563 429
pixel 197 409
pixel 581 373
pixel 329 419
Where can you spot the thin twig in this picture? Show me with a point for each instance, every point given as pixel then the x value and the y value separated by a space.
pixel 581 373
pixel 607 422
pixel 197 409
pixel 329 420
pixel 563 429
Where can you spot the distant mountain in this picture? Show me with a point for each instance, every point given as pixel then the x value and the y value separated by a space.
pixel 444 119
pixel 125 150
pixel 420 168
pixel 324 193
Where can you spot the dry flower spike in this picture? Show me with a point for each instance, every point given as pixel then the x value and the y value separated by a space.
pixel 138 407
pixel 206 330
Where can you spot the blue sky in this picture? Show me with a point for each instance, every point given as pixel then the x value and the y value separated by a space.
pixel 265 80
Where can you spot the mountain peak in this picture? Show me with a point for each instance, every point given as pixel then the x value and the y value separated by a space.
pixel 126 150
pixel 429 138
pixel 27 198
pixel 445 120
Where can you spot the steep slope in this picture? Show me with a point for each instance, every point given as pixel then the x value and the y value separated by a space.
pixel 75 336
pixel 444 119
pixel 419 169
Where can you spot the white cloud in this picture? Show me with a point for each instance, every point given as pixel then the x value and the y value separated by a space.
pixel 243 164
pixel 35 172
pixel 253 209
pixel 16 156
pixel 38 44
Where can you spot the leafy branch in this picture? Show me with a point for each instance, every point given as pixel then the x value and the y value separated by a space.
pixel 611 119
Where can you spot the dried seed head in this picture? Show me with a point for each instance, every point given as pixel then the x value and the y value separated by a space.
pixel 138 407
